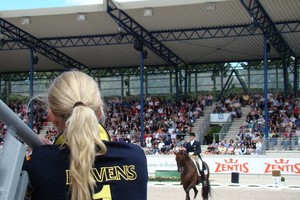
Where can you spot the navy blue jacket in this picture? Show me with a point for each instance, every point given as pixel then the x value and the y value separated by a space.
pixel 196 148
pixel 121 174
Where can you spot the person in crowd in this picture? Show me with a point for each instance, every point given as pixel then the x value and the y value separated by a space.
pixel 230 150
pixel 81 165
pixel 243 149
pixel 259 146
pixel 237 150
pixel 222 149
pixel 210 99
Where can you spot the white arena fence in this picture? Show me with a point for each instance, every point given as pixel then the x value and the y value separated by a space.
pixel 228 164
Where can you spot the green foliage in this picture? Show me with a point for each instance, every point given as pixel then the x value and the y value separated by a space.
pixel 209 135
pixel 164 178
pixel 18 98
pixel 235 90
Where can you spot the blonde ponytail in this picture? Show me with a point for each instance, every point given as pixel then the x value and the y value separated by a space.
pixel 75 98
pixel 82 128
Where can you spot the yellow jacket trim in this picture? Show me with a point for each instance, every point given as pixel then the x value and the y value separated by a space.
pixel 102 134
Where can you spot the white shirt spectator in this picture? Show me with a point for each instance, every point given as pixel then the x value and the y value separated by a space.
pixel 171 130
pixel 173 135
pixel 148 142
pixel 258 146
pixel 161 144
pixel 156 135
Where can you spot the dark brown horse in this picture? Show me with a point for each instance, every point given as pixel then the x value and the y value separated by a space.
pixel 189 176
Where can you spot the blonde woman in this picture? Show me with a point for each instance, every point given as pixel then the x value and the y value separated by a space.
pixel 79 166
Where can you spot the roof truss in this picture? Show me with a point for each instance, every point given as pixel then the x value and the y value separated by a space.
pixel 162 36
pixel 39 46
pixel 263 20
pixel 140 33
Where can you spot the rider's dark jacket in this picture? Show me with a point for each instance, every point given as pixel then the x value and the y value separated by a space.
pixel 196 148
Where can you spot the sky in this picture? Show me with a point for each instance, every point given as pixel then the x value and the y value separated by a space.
pixel 31 4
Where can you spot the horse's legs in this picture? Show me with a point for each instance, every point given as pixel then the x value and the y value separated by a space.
pixel 206 189
pixel 187 196
pixel 195 191
pixel 187 191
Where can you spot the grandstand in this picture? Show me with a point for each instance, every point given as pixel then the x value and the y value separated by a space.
pixel 236 124
pixel 174 60
pixel 52 42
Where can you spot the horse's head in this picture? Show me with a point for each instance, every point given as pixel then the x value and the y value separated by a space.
pixel 181 158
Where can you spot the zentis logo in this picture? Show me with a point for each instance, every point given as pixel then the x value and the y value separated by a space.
pixel 283 165
pixel 232 165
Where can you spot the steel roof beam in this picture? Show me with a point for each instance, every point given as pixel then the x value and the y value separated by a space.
pixel 162 36
pixel 89 40
pixel 19 76
pixel 140 33
pixel 134 70
pixel 39 46
pixel 219 32
pixel 262 19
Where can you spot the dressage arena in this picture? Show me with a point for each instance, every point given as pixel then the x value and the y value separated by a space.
pixel 258 187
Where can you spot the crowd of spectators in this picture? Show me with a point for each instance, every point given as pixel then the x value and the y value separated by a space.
pixel 283 125
pixel 231 104
pixel 166 122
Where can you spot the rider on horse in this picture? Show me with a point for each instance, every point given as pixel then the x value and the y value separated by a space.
pixel 193 148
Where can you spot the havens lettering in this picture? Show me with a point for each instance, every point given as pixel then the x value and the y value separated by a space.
pixel 113 173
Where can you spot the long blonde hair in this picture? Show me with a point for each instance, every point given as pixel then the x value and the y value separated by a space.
pixel 75 98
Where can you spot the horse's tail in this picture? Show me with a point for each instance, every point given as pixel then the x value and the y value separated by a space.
pixel 206 188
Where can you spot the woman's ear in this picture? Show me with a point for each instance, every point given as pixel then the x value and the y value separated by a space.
pixel 98 114
pixel 52 117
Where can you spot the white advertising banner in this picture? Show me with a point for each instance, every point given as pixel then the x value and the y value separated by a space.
pixel 220 117
pixel 246 165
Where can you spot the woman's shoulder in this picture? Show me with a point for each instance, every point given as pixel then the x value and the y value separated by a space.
pixel 124 146
pixel 48 147
pixel 46 157
pixel 124 150
pixel 46 151
pixel 122 153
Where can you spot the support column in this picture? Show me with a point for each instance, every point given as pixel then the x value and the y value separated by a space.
pixel 277 85
pixel 285 78
pixel 146 84
pixel 176 83
pixel 31 87
pixel 266 132
pixel 171 82
pixel 122 86
pixel 296 77
pixel 185 81
pixel 142 97
pixel 249 79
pixel 196 81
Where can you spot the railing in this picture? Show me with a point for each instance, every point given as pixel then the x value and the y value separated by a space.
pixel 271 144
pixel 225 127
pixel 204 128
pixel 281 144
pixel 221 136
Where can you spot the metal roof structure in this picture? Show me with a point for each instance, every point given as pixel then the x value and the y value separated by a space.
pixel 179 33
